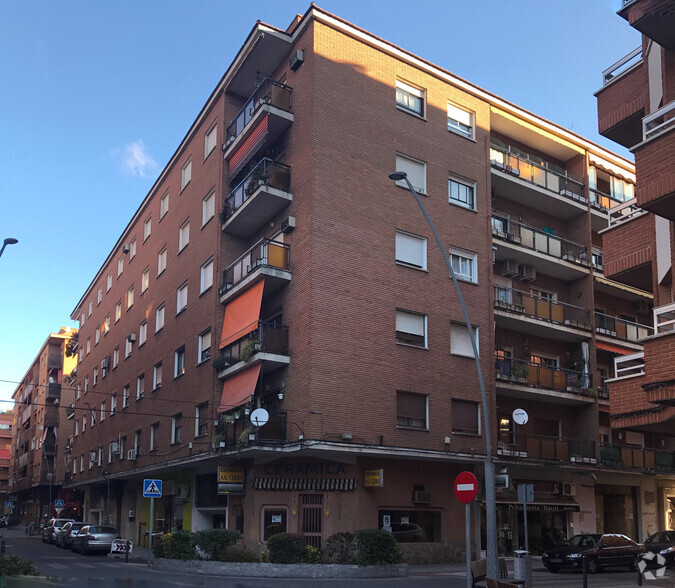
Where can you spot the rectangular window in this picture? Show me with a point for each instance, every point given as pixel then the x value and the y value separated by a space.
pixel 460 121
pixel 142 333
pixel 125 396
pixel 179 362
pixel 176 428
pixel 102 415
pixel 461 192
pixel 120 266
pixel 464 265
pixel 210 140
pixel 411 328
pixel 118 310
pixel 460 342
pixel 201 420
pixel 140 386
pixel 416 170
pixel 137 442
pixel 86 384
pixel 185 175
pixel 206 276
pixel 411 250
pixel 88 348
pixel 412 410
pixel 95 378
pixel 183 235
pixel 79 390
pixel 97 335
pixel 106 325
pixel 159 318
pixel 154 431
pixel 128 347
pixel 412 526
pixel 82 321
pixel 116 357
pixel 275 520
pixel 145 279
pixel 108 283
pixel 157 376
pixel 113 404
pixel 181 298
pixel 99 295
pixel 84 423
pixel 77 428
pixel 204 348
pixel 208 207
pixel 82 463
pixel 147 228
pixel 130 297
pixel 91 308
pixel 132 248
pixel 161 261
pixel 465 417
pixel 409 98
pixel 163 205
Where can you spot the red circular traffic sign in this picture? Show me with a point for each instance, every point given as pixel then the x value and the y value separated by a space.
pixel 466 487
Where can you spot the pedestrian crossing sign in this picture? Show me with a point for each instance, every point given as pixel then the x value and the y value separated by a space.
pixel 152 488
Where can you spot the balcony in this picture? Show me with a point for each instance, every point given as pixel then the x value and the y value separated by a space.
pixel 535 185
pixel 51 418
pixel 55 361
pixel 258 198
pixel 53 391
pixel 548 448
pixel 655 19
pixel 618 328
pixel 262 120
pixel 627 457
pixel 524 379
pixel 526 313
pixel 539 249
pixel 274 430
pixel 267 259
pixel 50 447
pixel 629 366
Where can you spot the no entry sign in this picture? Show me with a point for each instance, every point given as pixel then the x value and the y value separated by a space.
pixel 466 487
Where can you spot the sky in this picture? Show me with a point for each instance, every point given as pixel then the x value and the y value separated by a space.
pixel 95 97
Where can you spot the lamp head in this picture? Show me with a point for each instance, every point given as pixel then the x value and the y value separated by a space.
pixel 398 176
pixel 10 241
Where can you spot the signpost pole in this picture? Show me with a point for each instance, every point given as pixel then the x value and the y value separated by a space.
pixel 152 519
pixel 467 518
pixel 466 489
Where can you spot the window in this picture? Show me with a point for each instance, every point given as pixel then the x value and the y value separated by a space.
pixel 208 207
pixel 201 419
pixel 82 463
pixel 161 261
pixel 147 228
pixel 78 392
pixel 130 297
pixel 465 417
pixel 411 250
pixel 409 98
pixel 116 357
pixel 183 235
pixel 84 423
pixel 163 205
pixel 460 342
pixel 181 298
pixel 460 121
pixel 77 428
pixel 118 310
pixel 204 348
pixel 145 279
pixel 91 308
pixel 411 526
pixel 411 328
pixel 416 170
pixel 176 428
pixel 412 410
pixel 132 249
pixel 461 192
pixel 125 396
pixel 137 442
pixel 142 333
pixel 154 431
pixel 93 418
pixel 97 335
pixel 102 415
pixel 113 404
pixel 206 276
pixel 111 452
pixel 179 362
pixel 108 283
pixel 275 521
pixel 140 386
pixel 157 376
pixel 88 349
pixel 464 265
pixel 210 140
pixel 120 266
pixel 99 295
pixel 159 318
pixel 122 442
pixel 95 377
pixel 82 320
pixel 106 324
pixel 128 346
pixel 86 384
pixel 185 175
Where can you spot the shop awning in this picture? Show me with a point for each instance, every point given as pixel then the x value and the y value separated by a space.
pixel 556 503
pixel 613 348
pixel 241 315
pixel 238 389
pixel 340 484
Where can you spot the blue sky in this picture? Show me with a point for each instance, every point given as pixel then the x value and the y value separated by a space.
pixel 96 96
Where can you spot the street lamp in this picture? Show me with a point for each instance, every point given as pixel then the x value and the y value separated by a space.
pixel 490 504
pixel 105 471
pixel 8 241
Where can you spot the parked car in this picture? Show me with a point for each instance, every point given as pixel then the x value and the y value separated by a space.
pixel 662 542
pixel 94 538
pixel 64 537
pixel 600 551
pixel 51 528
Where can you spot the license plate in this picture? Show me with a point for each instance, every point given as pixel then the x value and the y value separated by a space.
pixel 553 560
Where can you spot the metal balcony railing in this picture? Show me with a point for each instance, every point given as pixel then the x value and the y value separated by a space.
pixel 626 456
pixel 629 365
pixel 552 311
pixel 275 429
pixel 622 66
pixel 265 252
pixel 537 173
pixel 53 390
pixel 664 318
pixel 625 212
pixel 267 338
pixel 659 121
pixel 613 326
pixel 266 173
pixel 548 448
pixel 528 373
pixel 268 92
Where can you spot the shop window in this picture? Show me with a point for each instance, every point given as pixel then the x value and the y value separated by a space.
pixel 275 521
pixel 411 526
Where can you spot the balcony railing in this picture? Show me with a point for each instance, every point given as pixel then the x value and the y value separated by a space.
pixel 537 173
pixel 629 365
pixel 519 371
pixel 533 306
pixel 267 338
pixel 659 121
pixel 613 326
pixel 53 390
pixel 664 318
pixel 268 92
pixel 275 429
pixel 266 173
pixel 625 456
pixel 625 212
pixel 622 66
pixel 549 448
pixel 542 240
pixel 265 252
pixel 55 361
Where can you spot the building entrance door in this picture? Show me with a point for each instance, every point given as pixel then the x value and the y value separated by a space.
pixel 311 518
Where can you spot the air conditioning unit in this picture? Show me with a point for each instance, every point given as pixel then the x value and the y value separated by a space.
pixel 131 455
pixel 183 491
pixel 93 456
pixel 568 490
pixel 510 268
pixel 641 306
pixel 528 273
pixel 131 337
pixel 421 497
pixel 105 363
pixel 296 60
pixel 288 224
pixel 114 447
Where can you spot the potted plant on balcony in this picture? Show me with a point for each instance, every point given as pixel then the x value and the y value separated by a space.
pixel 220 363
pixel 258 177
pixel 249 348
pixel 519 372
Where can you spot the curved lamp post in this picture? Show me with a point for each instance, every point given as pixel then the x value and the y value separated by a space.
pixel 8 241
pixel 490 503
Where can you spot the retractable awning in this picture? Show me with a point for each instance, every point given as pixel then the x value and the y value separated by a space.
pixel 613 348
pixel 238 389
pixel 242 314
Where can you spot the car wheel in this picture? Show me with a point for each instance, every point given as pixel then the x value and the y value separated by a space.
pixel 83 550
pixel 592 566
pixel 634 564
pixel 554 569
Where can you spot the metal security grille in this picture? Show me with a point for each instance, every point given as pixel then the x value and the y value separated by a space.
pixel 342 484
pixel 311 519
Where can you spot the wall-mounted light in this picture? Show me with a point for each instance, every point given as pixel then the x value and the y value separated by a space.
pixel 280 395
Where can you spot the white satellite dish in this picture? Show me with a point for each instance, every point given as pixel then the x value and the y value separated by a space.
pixel 259 417
pixel 520 416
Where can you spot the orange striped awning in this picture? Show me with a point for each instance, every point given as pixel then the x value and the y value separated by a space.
pixel 613 348
pixel 242 314
pixel 238 389
pixel 249 146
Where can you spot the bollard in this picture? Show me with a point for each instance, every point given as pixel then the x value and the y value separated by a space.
pixel 639 578
pixel 126 552
pixel 584 571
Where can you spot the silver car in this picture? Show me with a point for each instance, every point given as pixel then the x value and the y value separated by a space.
pixel 94 538
pixel 64 537
pixel 52 527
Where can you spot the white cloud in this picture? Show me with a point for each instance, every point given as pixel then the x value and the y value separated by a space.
pixel 136 160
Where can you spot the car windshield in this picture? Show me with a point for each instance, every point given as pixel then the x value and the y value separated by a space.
pixel 583 541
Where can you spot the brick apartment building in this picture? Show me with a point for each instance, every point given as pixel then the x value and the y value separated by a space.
pixel 636 108
pixel 6 422
pixel 273 265
pixel 37 470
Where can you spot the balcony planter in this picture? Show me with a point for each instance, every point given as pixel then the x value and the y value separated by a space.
pixel 220 363
pixel 519 373
pixel 249 348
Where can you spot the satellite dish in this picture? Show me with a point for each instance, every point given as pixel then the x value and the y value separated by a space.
pixel 520 416
pixel 259 417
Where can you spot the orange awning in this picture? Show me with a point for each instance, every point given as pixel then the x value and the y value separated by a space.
pixel 241 315
pixel 613 348
pixel 238 389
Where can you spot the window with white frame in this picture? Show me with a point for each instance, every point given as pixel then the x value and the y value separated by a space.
pixel 181 298
pixel 464 265
pixel 113 404
pixel 145 279
pixel 204 348
pixel 79 391
pixel 460 121
pixel 111 453
pixel 130 297
pixel 201 419
pixel 176 428
pixel 206 276
pixel 88 348
pixel 461 192
pixel 137 442
pixel 82 320
pixel 95 376
pixel 84 423
pixel 77 428
pixel 99 295
pixel 101 418
pixel 179 362
pixel 460 342
pixel 210 139
pixel 106 324
pixel 142 333
pixel 416 170
pixel 91 308
pixel 74 466
pixel 161 261
pixel 183 235
pixel 412 410
pixel 86 384
pixel 116 357
pixel 208 207
pixel 159 318
pixel 411 328
pixel 82 463
pixel 185 175
pixel 97 335
pixel 80 355
pixel 410 98
pixel 465 417
pixel 154 434
pixel 120 266
pixel 93 417
pixel 163 205
pixel 147 228
pixel 125 396
pixel 411 250
pixel 128 347
pixel 122 441
pixel 157 376
pixel 108 282
pixel 118 310
pixel 132 248
pixel 140 386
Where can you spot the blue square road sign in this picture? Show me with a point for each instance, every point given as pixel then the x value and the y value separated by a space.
pixel 152 488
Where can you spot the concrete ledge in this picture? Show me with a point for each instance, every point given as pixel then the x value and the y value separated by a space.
pixel 270 570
